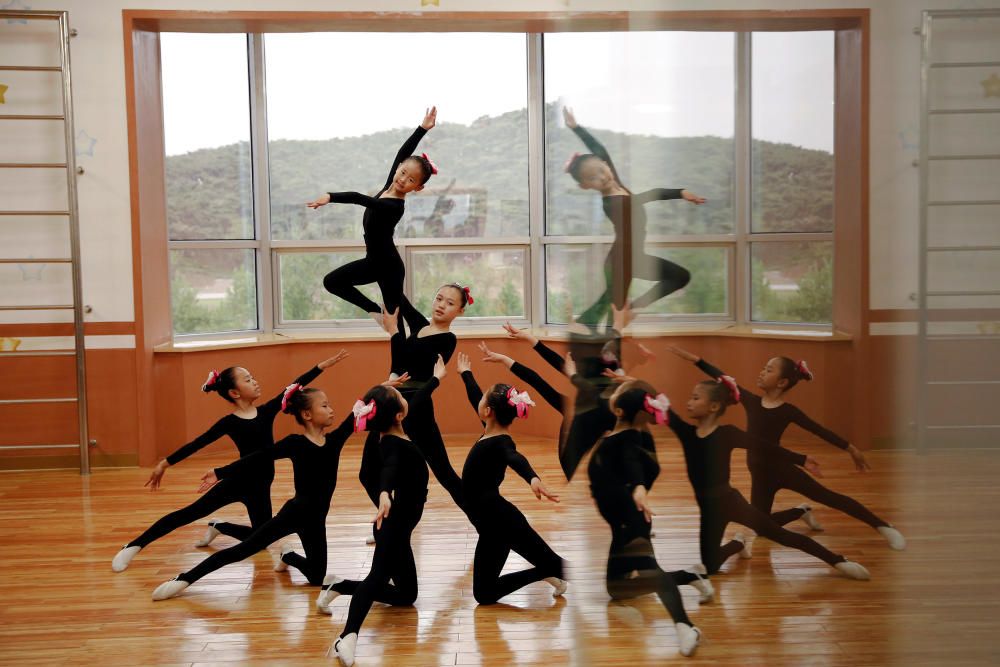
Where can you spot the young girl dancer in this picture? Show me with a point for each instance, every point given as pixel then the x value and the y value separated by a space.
pixel 622 471
pixel 315 458
pixel 767 418
pixel 415 356
pixel 708 448
pixel 627 258
pixel 251 428
pixel 382 263
pixel 402 493
pixel 502 527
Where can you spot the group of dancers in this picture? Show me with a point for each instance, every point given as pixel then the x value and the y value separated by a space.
pixel 612 416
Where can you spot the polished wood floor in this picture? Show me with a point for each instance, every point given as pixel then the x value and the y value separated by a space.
pixel 936 603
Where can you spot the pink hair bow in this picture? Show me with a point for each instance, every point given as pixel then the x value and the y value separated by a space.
pixel 804 370
pixel 434 169
pixel 570 161
pixel 658 407
pixel 287 396
pixel 468 295
pixel 213 377
pixel 362 413
pixel 521 401
pixel 734 390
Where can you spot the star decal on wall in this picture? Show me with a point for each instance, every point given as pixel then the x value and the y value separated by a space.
pixel 15 5
pixel 3 89
pixel 991 85
pixel 84 144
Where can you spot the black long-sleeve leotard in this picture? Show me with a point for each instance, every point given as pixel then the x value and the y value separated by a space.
pixel 382 214
pixel 249 435
pixel 314 466
pixel 768 424
pixel 708 458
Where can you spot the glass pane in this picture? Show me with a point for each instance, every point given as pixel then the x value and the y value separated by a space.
pixel 496 278
pixel 338 128
pixel 574 288
pixel 792 282
pixel 705 294
pixel 206 128
pixel 213 290
pixel 792 148
pixel 662 105
pixel 303 297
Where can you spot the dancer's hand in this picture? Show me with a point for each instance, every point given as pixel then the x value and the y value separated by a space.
pixel 569 365
pixel 430 118
pixel 397 380
pixel 439 368
pixel 208 480
pixel 320 201
pixel 463 363
pixel 616 378
pixel 540 491
pixel 687 195
pixel 384 505
pixel 683 354
pixel 812 466
pixel 326 363
pixel 520 334
pixel 154 477
pixel 390 321
pixel 494 357
pixel 639 496
pixel 860 462
pixel 569 118
pixel 621 318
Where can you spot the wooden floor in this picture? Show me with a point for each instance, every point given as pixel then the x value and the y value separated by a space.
pixel 936 603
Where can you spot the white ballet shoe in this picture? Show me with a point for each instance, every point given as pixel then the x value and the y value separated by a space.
pixel 121 560
pixel 853 570
pixel 893 537
pixel 370 539
pixel 809 518
pixel 706 591
pixel 344 648
pixel 279 564
pixel 747 541
pixel 169 589
pixel 327 594
pixel 688 638
pixel 210 534
pixel 559 586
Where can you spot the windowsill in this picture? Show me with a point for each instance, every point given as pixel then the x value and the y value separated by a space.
pixel 722 330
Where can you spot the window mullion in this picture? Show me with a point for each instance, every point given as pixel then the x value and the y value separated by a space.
pixel 266 285
pixel 741 283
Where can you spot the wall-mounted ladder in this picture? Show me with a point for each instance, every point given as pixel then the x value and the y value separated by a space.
pixel 959 255
pixel 71 216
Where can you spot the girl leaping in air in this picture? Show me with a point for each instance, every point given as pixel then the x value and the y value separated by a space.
pixel 382 263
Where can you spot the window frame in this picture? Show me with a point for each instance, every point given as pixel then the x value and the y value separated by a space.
pixel 739 243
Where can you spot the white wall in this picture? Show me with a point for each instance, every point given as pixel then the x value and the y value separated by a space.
pixel 99 99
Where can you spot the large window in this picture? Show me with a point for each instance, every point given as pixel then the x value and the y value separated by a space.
pixel 269 122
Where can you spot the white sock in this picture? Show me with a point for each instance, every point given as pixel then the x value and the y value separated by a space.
pixel 370 539
pixel 701 584
pixel 560 585
pixel 210 534
pixel 123 558
pixel 327 594
pixel 853 570
pixel 169 589
pixel 893 537
pixel 344 648
pixel 809 518
pixel 688 638
pixel 280 565
pixel 747 540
